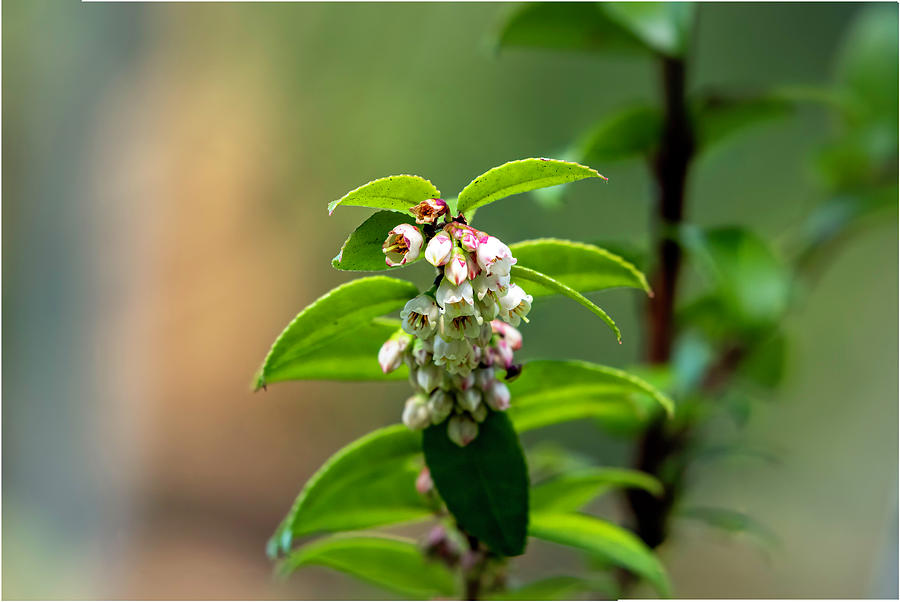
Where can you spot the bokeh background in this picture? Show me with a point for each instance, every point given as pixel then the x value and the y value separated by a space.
pixel 165 173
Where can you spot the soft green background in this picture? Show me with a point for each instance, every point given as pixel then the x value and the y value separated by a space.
pixel 166 170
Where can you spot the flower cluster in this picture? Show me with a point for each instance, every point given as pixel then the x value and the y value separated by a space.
pixel 457 335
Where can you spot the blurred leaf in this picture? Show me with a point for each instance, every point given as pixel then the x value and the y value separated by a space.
pixel 719 118
pixel 551 588
pixel 570 492
pixel 748 278
pixel 603 539
pixel 484 484
pixel 522 273
pixel 580 266
pixel 341 311
pixel 731 450
pixel 351 356
pixel 393 563
pixel 564 382
pixel 629 133
pixel 548 459
pixel 691 359
pixel 731 521
pixel 519 176
pixel 581 26
pixel 368 483
pixel 362 252
pixel 665 27
pixel 764 364
pixel 397 193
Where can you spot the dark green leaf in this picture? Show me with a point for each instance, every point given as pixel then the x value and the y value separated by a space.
pixel 345 310
pixel 665 27
pixel 572 491
pixel 719 118
pixel 362 250
pixel 393 563
pixel 631 132
pixel 397 193
pixel 566 26
pixel 522 273
pixel 582 267
pixel 516 177
pixel 602 539
pixel 369 483
pixel 484 484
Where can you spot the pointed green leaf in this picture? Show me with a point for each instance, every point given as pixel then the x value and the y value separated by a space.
pixel 393 563
pixel 581 26
pixel 397 193
pixel 519 176
pixel 342 311
pixel 631 132
pixel 564 382
pixel 369 483
pixel 484 484
pixel 604 540
pixel 571 491
pixel 610 411
pixel 720 118
pixel 522 273
pixel 362 250
pixel 582 267
pixel 665 27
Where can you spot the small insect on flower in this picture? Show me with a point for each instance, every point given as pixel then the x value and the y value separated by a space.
pixel 402 245
pixel 439 249
pixel 419 317
pixel 429 210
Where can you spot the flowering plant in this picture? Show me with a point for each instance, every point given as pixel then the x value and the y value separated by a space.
pixel 457 457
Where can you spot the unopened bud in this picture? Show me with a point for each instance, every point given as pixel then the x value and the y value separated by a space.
pixel 470 399
pixel 415 413
pixel 429 377
pixel 424 484
pixel 440 404
pixel 480 413
pixel 462 430
pixel 439 249
pixel 390 356
pixel 497 396
pixel 456 270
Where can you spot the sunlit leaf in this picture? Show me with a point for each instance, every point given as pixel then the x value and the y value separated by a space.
pixel 626 134
pixel 580 26
pixel 342 311
pixel 393 563
pixel 368 483
pixel 484 484
pixel 362 252
pixel 602 539
pixel 582 267
pixel 665 27
pixel 397 193
pixel 610 411
pixel 516 177
pixel 522 273
pixel 572 491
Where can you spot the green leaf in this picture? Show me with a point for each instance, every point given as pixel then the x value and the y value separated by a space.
pixel 393 563
pixel 484 484
pixel 362 250
pixel 349 357
pixel 397 193
pixel 604 540
pixel 563 382
pixel 581 26
pixel 720 118
pixel 610 411
pixel 629 133
pixel 368 483
pixel 348 309
pixel 570 492
pixel 582 267
pixel 665 27
pixel 552 588
pixel 519 176
pixel 731 521
pixel 522 273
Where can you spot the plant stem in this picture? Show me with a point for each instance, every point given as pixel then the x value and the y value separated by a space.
pixel 658 445
pixel 473 573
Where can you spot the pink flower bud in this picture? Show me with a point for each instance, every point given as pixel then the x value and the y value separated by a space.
pixel 462 430
pixel 415 413
pixel 497 396
pixel 440 404
pixel 456 270
pixel 439 249
pixel 509 333
pixel 503 353
pixel 464 382
pixel 469 399
pixel 424 484
pixel 402 245
pixel 429 210
pixel 390 356
pixel 466 236
pixel 495 257
pixel 484 377
pixel 472 266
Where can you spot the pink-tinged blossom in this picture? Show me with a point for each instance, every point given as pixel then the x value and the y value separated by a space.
pixel 429 210
pixel 424 484
pixel 454 296
pixel 514 305
pixel 467 236
pixel 456 270
pixel 484 377
pixel 472 266
pixel 439 249
pixel 419 317
pixel 503 353
pixel 495 257
pixel 390 356
pixel 497 396
pixel 509 333
pixel 463 382
pixel 415 413
pixel 402 245
pixel 462 430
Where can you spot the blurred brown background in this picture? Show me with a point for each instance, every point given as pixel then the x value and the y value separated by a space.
pixel 165 173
